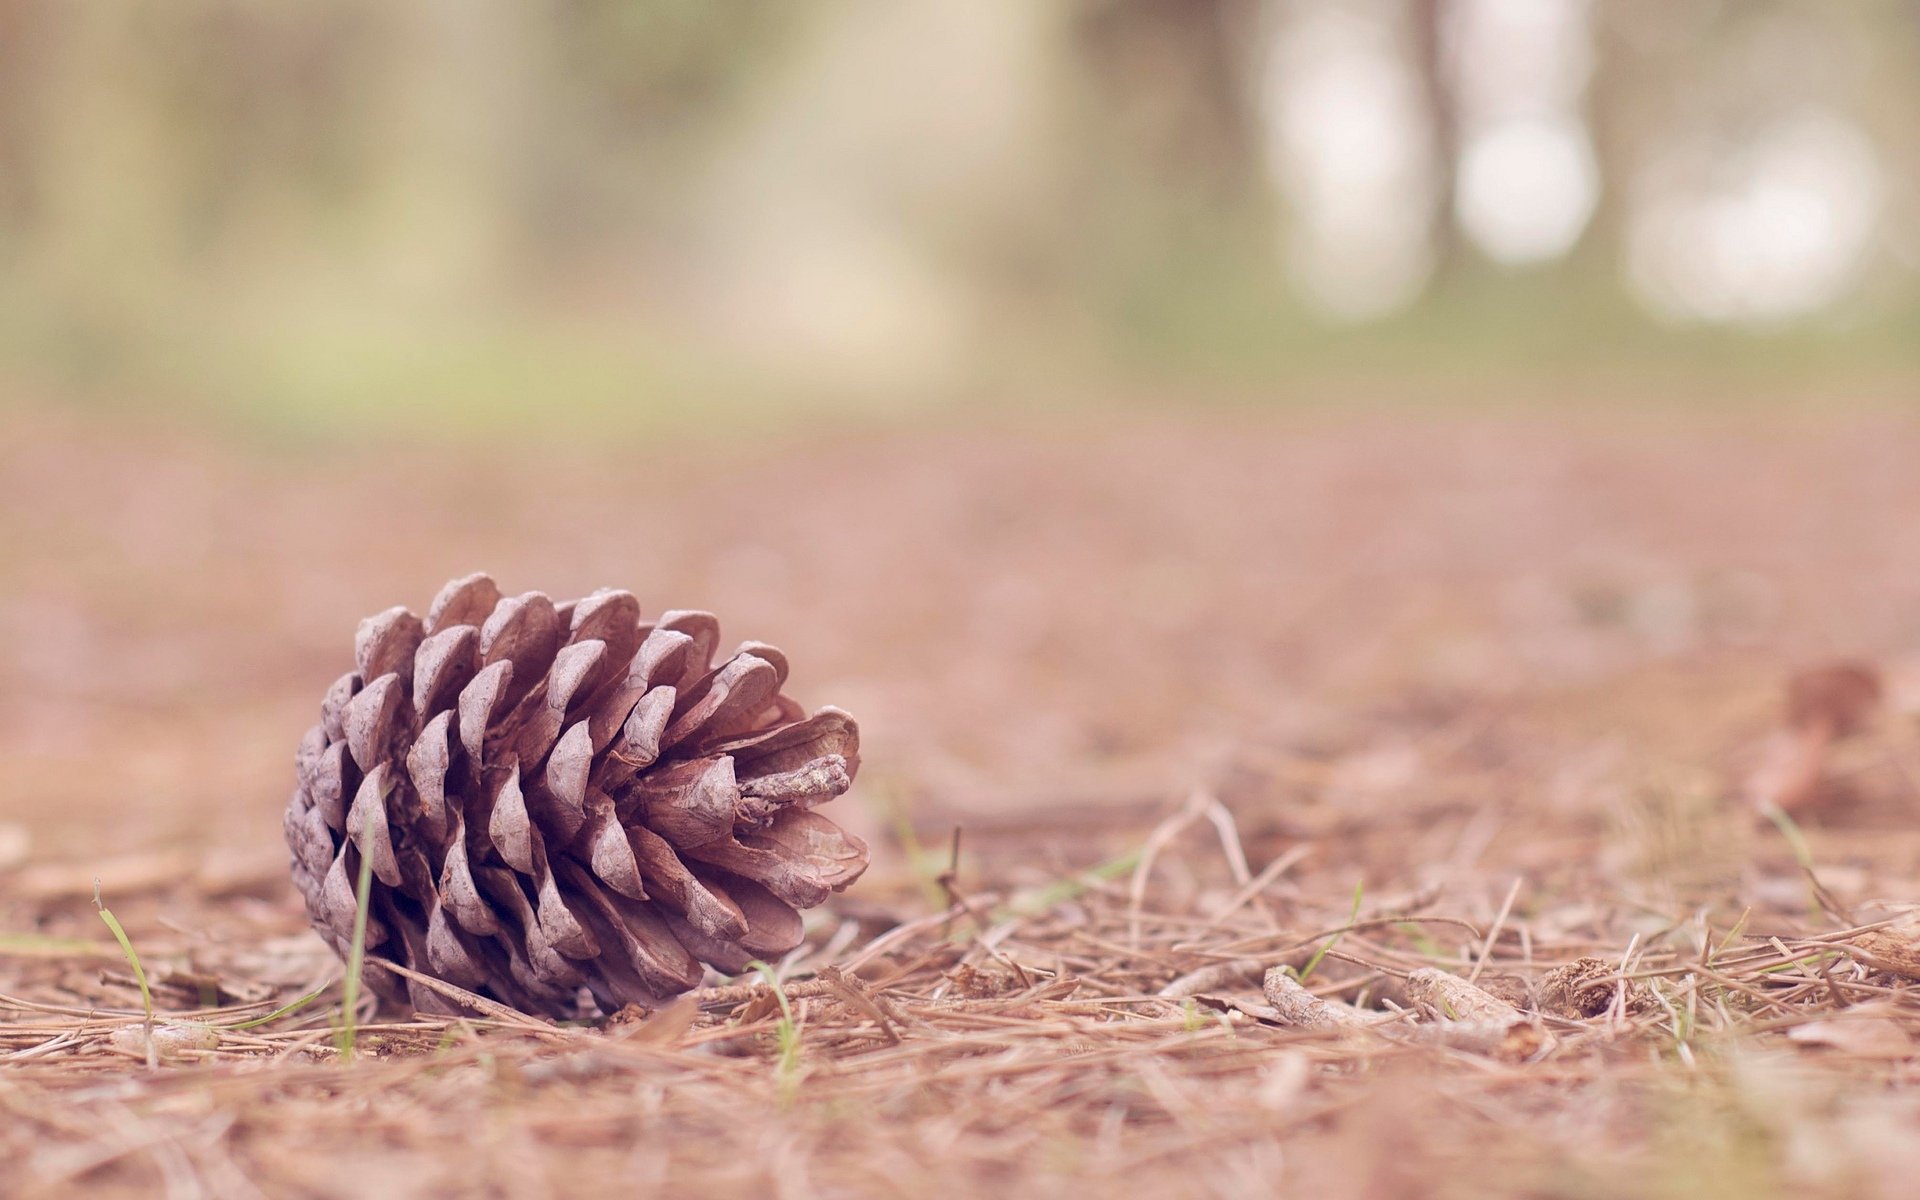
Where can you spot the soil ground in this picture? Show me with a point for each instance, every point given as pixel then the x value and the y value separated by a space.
pixel 1358 694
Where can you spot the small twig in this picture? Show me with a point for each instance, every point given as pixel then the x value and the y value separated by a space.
pixel 460 995
pixel 901 933
pixel 739 993
pixel 1233 972
pixel 1260 882
pixel 1157 840
pixel 1295 1005
pixel 1493 932
pixel 851 991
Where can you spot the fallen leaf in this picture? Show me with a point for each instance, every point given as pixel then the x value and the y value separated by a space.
pixel 1839 697
pixel 1862 1037
pixel 15 843
pixel 664 1026
pixel 1888 951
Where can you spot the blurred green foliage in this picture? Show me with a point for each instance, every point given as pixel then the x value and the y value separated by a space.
pixel 566 213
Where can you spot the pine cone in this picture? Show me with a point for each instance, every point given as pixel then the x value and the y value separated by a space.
pixel 561 796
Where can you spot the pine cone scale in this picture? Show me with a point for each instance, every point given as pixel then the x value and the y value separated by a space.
pixel 704 905
pixel 367 828
pixel 462 892
pixel 445 663
pixel 427 762
pixel 386 642
pixel 568 770
pixel 609 852
pixel 467 601
pixel 371 721
pixel 638 746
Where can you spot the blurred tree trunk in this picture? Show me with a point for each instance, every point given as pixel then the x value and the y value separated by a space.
pixel 1174 85
pixel 1610 120
pixel 1429 18
pixel 17 95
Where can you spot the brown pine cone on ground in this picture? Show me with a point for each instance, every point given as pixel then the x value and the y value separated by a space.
pixel 563 796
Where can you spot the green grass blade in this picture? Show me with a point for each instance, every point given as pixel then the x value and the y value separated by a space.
pixel 1032 904
pixel 277 1013
pixel 1738 927
pixel 35 945
pixel 787 1034
pixel 1789 829
pixel 126 948
pixel 1359 892
pixel 356 959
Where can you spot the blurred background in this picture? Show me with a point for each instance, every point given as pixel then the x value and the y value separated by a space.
pixel 583 211
pixel 1398 403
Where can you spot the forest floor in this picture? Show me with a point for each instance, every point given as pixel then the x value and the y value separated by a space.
pixel 1152 703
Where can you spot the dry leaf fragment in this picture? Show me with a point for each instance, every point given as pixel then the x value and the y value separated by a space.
pixel 15 844
pixel 1839 697
pixel 660 1028
pixel 1284 1080
pixel 987 980
pixel 1886 950
pixel 1825 704
pixel 1514 989
pixel 1445 997
pixel 1861 1037
pixel 1467 1017
pixel 1588 987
